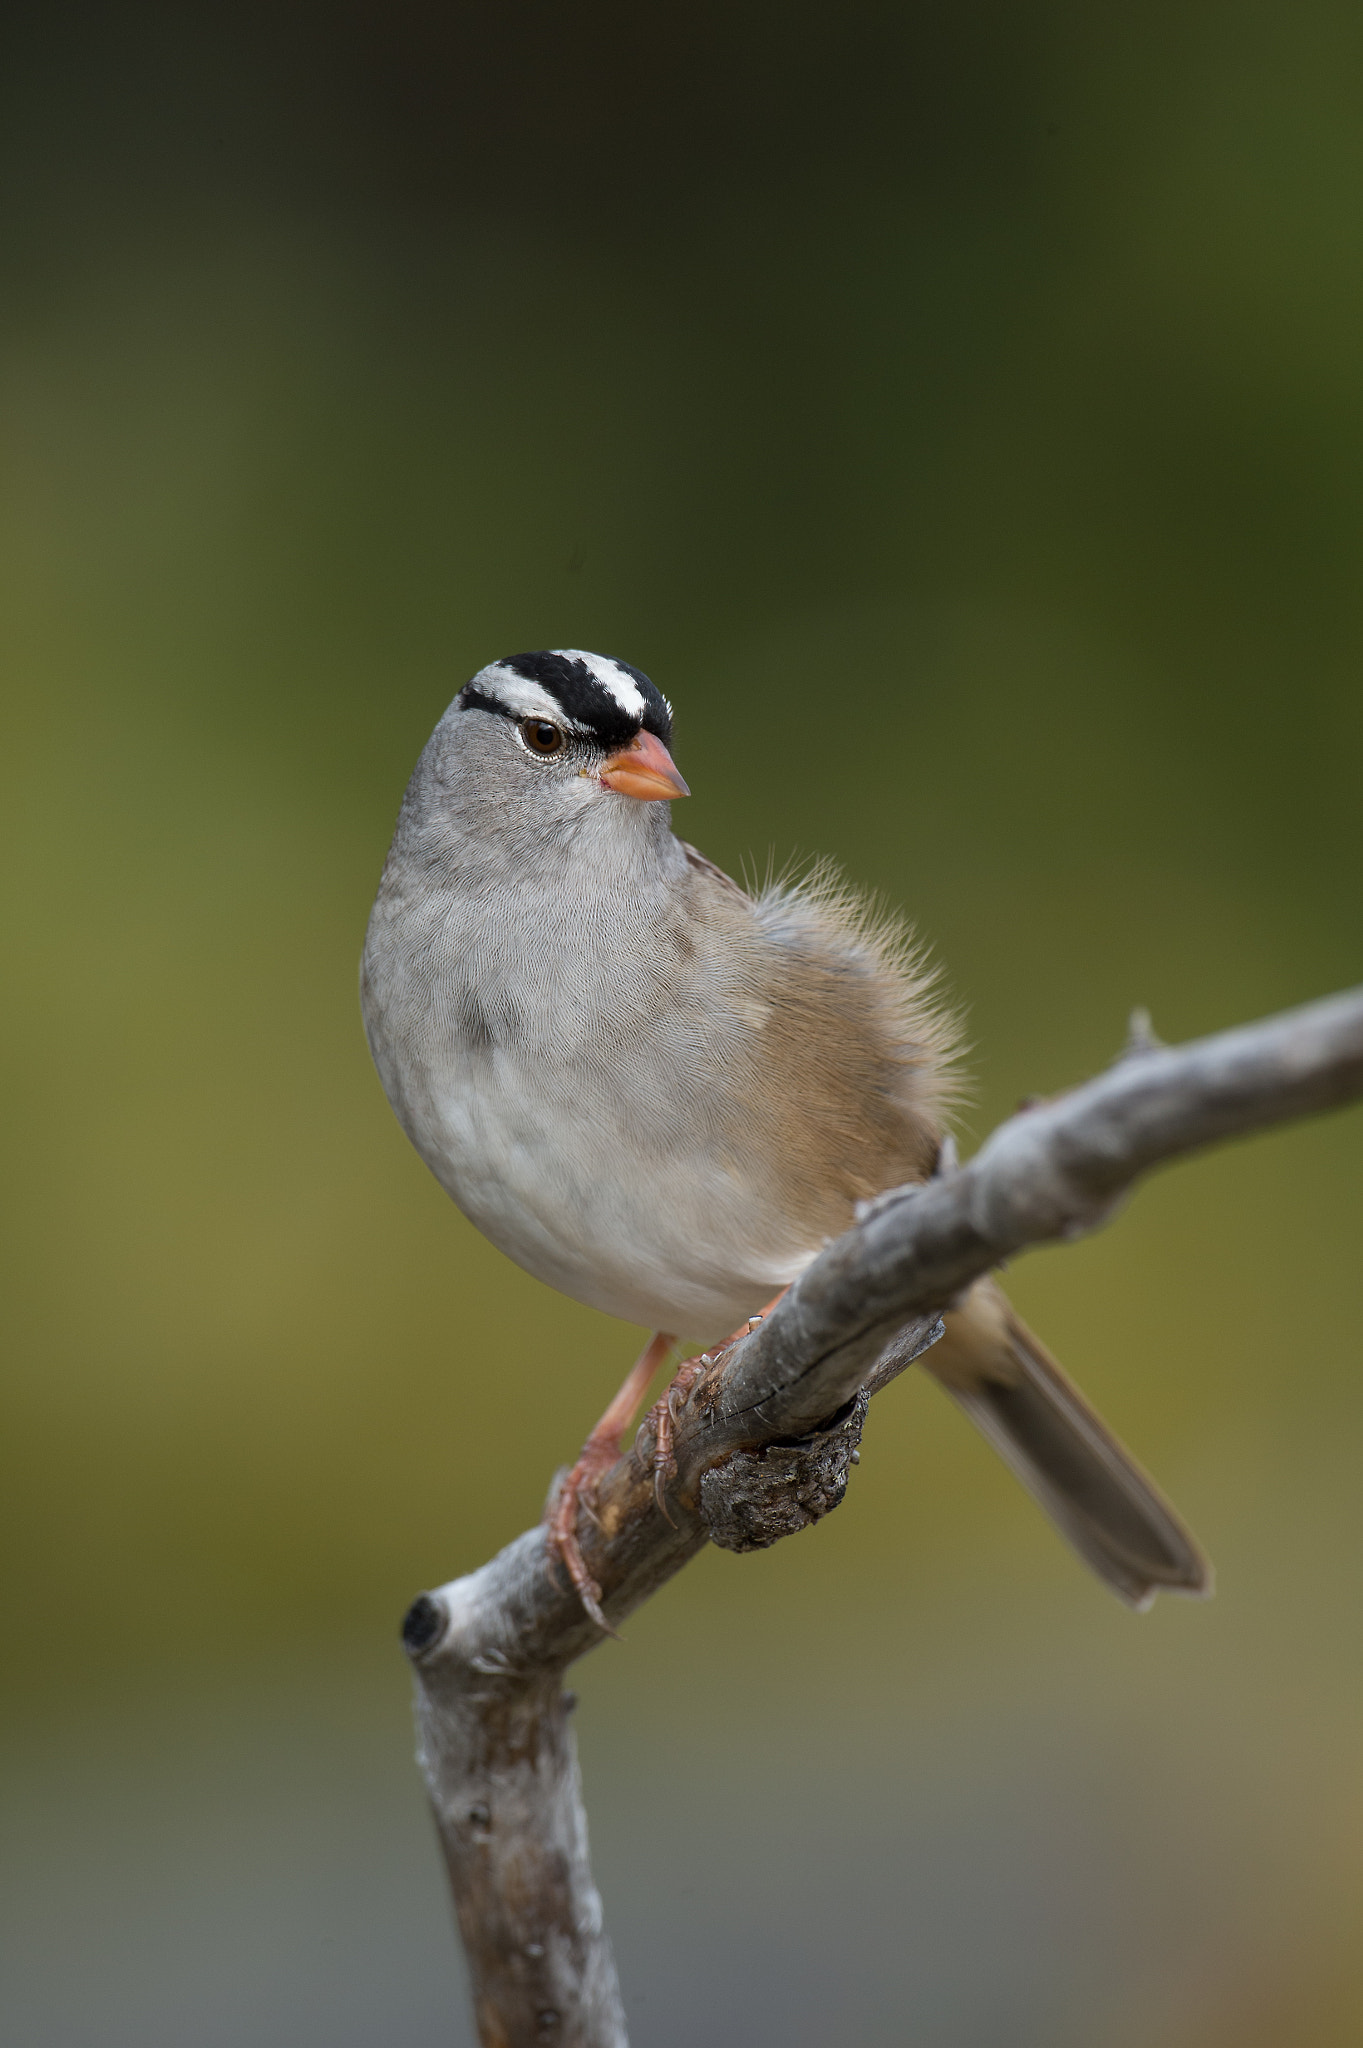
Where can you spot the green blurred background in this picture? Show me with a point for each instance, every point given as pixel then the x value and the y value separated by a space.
pixel 958 410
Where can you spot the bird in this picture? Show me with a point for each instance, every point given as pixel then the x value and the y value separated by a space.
pixel 662 1093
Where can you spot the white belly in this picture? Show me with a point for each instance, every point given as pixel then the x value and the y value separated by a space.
pixel 656 1234
pixel 575 1080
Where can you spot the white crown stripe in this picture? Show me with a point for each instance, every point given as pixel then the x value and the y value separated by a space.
pixel 621 686
pixel 523 698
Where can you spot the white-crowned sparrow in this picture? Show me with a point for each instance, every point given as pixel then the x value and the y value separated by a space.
pixel 662 1094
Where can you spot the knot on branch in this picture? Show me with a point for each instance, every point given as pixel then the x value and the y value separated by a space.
pixel 755 1498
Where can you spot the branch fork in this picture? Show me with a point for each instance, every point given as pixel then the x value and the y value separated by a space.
pixel 762 1444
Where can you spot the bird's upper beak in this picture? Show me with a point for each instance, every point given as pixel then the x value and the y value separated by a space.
pixel 644 769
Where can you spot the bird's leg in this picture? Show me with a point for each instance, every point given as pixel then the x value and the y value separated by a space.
pixel 599 1453
pixel 663 1414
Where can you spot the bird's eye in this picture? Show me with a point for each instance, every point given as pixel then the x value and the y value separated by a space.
pixel 540 736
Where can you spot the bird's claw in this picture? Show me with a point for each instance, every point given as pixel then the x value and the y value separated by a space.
pixel 577 1489
pixel 561 1535
pixel 663 1417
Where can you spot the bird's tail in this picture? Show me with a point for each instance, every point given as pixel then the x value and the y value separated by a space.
pixel 1041 1425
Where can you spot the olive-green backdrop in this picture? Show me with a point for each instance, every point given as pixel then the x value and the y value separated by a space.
pixel 958 410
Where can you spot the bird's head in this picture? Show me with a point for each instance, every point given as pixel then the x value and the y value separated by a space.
pixel 589 727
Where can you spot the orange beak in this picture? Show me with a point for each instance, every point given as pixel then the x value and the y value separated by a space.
pixel 644 769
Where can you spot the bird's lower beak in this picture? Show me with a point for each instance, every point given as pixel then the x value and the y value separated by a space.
pixel 643 769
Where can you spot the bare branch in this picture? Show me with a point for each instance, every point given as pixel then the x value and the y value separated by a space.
pixel 762 1444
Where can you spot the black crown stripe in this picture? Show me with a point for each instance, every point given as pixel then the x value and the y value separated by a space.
pixel 585 699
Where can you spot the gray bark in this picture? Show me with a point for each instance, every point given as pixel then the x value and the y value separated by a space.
pixel 762 1443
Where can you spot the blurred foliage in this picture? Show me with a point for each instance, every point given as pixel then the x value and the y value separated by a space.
pixel 959 412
